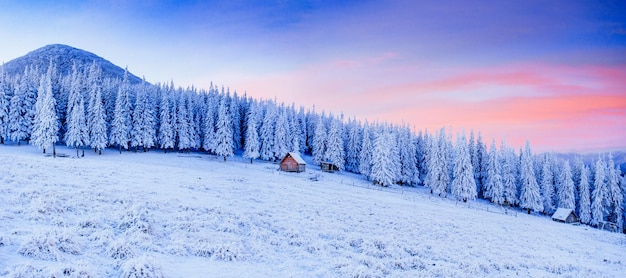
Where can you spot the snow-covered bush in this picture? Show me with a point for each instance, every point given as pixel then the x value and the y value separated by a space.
pixel 141 267
pixel 68 242
pixel 137 218
pixel 74 271
pixel 120 250
pixel 25 271
pixel 41 246
pixel 222 252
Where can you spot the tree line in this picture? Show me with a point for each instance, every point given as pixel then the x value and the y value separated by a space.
pixel 85 110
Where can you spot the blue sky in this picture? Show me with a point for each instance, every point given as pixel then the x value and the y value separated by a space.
pixel 463 61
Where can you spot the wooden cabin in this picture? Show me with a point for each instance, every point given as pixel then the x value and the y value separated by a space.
pixel 292 162
pixel 565 215
pixel 328 167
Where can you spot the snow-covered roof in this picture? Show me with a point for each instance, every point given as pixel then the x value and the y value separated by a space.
pixel 296 157
pixel 562 214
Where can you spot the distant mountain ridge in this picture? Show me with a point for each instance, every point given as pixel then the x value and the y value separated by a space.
pixel 64 56
pixel 619 157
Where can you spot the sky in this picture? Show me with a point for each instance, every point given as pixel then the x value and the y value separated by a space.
pixel 551 72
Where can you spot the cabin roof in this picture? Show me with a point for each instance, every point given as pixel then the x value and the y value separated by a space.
pixel 562 213
pixel 296 157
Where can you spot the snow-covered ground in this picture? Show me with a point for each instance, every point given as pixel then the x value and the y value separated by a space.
pixel 193 215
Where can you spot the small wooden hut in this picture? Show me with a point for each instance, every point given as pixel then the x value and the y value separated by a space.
pixel 328 167
pixel 292 162
pixel 565 215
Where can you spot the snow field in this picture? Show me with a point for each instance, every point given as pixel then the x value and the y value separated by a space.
pixel 192 215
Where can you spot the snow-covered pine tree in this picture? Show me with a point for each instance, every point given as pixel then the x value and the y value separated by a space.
pixel 4 107
pixel 409 173
pixel 267 132
pixel 334 145
pixel 166 127
pixel 438 176
pixel 302 125
pixel 382 165
pixel 600 194
pixel 233 111
pixel 365 157
pixel 530 197
pixel 224 131
pixel 96 115
pixel 252 147
pixel 463 183
pixel 566 188
pixel 509 182
pixel 19 125
pixel 353 147
pixel 295 131
pixel 319 141
pixel 122 124
pixel 482 159
pixel 548 185
pixel 143 130
pixel 494 188
pixel 31 80
pixel 77 134
pixel 615 194
pixel 183 124
pixel 209 142
pixel 46 125
pixel 584 210
pixel 424 155
pixel 281 132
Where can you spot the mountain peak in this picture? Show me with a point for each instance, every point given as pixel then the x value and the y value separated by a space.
pixel 63 56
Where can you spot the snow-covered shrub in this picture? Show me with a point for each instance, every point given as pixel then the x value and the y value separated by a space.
pixel 68 242
pixel 222 252
pixel 41 246
pixel 141 267
pixel 139 218
pixel 227 252
pixel 75 271
pixel 25 271
pixel 120 250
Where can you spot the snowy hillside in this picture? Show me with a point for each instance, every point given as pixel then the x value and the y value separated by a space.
pixel 63 57
pixel 193 215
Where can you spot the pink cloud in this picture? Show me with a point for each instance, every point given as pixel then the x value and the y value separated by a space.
pixel 556 106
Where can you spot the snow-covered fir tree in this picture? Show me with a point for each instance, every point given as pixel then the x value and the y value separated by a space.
pixel 615 194
pixel 319 142
pixel 530 197
pixel 600 194
pixel 166 127
pixel 20 123
pixel 365 158
pixel 463 183
pixel 4 107
pixel 122 124
pixel 509 181
pixel 224 131
pixel 96 115
pixel 494 188
pixel 252 147
pixel 438 176
pixel 209 141
pixel 281 132
pixel 566 188
pixel 46 125
pixel 77 134
pixel 184 130
pixel 353 146
pixel 334 144
pixel 143 132
pixel 382 164
pixel 235 119
pixel 548 186
pixel 481 161
pixel 584 204
pixel 409 173
pixel 267 132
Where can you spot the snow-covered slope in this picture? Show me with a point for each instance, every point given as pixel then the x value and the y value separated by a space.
pixel 193 215
pixel 63 56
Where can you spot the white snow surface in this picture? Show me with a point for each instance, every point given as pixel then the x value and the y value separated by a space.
pixel 194 215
